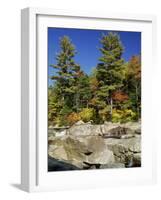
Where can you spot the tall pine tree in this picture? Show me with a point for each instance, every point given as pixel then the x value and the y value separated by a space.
pixel 109 70
pixel 71 81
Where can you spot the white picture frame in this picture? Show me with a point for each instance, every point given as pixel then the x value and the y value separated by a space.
pixel 34 176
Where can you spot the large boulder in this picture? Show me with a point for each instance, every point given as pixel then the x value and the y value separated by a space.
pixel 107 126
pixel 101 157
pixel 100 154
pixel 130 128
pixel 134 126
pixel 57 132
pixel 68 150
pixel 86 129
pixel 81 151
pixel 119 132
pixel 126 151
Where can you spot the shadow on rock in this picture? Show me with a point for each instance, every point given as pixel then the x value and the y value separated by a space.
pixel 56 165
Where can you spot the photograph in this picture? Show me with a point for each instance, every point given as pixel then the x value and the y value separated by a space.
pixel 94 99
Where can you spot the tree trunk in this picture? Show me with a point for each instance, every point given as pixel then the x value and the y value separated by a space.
pixel 111 108
pixel 77 102
pixel 97 115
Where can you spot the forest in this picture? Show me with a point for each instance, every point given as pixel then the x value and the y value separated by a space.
pixel 111 92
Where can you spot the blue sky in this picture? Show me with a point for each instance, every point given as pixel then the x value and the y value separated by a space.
pixel 87 45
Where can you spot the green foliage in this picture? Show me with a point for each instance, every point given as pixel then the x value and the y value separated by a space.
pixel 112 92
pixel 110 71
pixel 87 114
pixel 82 93
pixel 105 113
pixel 53 105
pixel 67 71
pixel 123 115
pixel 134 83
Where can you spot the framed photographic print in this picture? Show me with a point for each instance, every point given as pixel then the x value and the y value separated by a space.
pixel 86 101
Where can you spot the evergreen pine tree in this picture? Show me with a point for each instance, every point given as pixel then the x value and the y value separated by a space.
pixel 66 71
pixel 109 70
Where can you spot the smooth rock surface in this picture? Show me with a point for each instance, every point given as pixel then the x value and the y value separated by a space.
pixel 84 130
pixel 81 150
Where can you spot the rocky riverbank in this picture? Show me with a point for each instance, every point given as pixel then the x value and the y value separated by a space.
pixel 88 146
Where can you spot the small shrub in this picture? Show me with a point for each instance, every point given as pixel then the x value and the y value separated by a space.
pixel 87 114
pixel 129 115
pixel 104 114
pixel 72 118
pixel 123 115
pixel 57 121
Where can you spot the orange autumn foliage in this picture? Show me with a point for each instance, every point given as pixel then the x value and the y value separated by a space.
pixel 135 67
pixel 120 96
pixel 73 118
